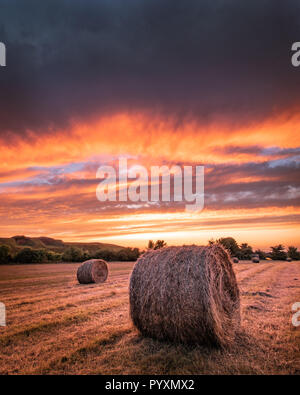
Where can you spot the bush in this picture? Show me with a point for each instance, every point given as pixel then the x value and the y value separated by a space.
pixel 124 255
pixel 107 255
pixel 28 255
pixel 230 244
pixel 53 256
pixel 73 254
pixel 278 253
pixel 5 255
pixel 245 252
pixel 293 253
pixel 129 254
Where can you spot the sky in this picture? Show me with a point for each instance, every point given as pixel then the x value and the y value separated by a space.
pixel 160 82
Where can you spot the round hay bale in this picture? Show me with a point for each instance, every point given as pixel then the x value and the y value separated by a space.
pixel 255 260
pixel 289 259
pixel 235 260
pixel 186 294
pixel 92 271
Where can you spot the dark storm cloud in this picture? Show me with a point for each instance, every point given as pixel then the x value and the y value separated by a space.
pixel 77 59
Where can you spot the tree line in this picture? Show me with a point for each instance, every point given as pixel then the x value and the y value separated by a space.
pixel 244 251
pixel 75 254
pixel 71 254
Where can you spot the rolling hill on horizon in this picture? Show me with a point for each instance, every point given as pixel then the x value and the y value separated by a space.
pixel 18 242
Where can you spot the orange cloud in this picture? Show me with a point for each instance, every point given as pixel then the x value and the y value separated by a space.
pixel 64 205
pixel 138 134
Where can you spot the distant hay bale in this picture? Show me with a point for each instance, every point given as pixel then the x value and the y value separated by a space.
pixel 235 260
pixel 92 271
pixel 186 294
pixel 289 259
pixel 255 260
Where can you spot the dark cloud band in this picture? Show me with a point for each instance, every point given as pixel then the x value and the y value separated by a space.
pixel 79 59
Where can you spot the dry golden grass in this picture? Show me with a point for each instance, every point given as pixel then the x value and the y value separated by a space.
pixel 56 326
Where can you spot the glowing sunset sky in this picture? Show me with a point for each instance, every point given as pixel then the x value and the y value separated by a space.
pixel 159 82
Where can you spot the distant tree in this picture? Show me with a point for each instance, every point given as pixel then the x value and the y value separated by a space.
pixel 134 254
pixel 107 255
pixel 211 242
pixel 293 253
pixel 42 256
pixel 160 244
pixel 230 244
pixel 150 244
pixel 5 255
pixel 278 253
pixel 53 256
pixel 128 254
pixel 29 255
pixel 124 254
pixel 157 245
pixel 245 251
pixel 261 254
pixel 86 255
pixel 73 254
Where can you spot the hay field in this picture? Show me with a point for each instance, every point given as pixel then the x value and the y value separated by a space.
pixel 56 326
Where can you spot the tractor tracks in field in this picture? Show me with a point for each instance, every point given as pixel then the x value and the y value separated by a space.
pixel 65 361
pixel 267 317
pixel 55 323
pixel 54 339
pixel 269 287
pixel 37 311
pixel 44 292
pixel 244 277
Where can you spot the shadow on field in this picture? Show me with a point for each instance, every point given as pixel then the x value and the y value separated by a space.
pixel 148 356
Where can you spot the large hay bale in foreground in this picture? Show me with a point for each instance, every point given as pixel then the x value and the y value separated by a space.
pixel 92 271
pixel 186 294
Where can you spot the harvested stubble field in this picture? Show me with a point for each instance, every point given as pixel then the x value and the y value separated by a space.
pixel 56 326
